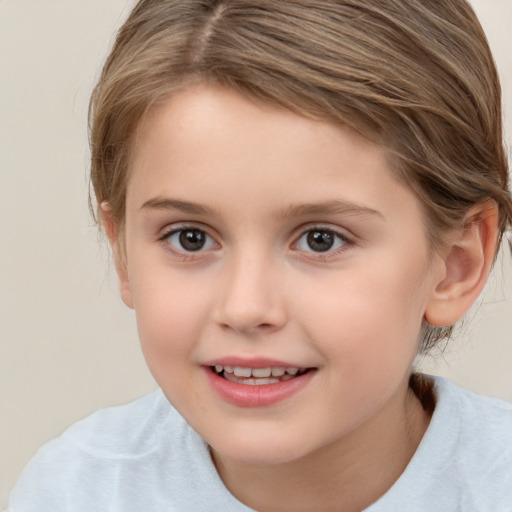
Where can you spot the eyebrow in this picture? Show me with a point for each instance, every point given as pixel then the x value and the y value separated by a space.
pixel 164 203
pixel 336 206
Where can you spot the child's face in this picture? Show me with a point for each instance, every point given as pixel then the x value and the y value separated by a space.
pixel 257 238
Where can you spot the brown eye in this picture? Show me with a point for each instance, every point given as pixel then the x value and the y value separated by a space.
pixel 320 240
pixel 190 240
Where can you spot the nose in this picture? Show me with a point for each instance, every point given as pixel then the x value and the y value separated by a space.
pixel 251 298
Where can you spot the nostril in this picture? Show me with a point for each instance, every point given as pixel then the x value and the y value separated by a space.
pixel 249 328
pixel 265 326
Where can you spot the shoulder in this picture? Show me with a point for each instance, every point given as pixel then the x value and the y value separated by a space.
pixel 464 461
pixel 483 426
pixel 484 419
pixel 84 463
pixel 475 433
pixel 138 456
pixel 470 437
pixel 132 428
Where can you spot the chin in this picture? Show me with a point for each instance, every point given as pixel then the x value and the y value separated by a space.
pixel 260 450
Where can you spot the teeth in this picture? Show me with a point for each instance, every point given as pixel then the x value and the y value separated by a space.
pixel 258 373
pixel 278 372
pixel 242 372
pixel 262 372
pixel 251 381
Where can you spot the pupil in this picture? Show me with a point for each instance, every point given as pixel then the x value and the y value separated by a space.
pixel 320 241
pixel 192 239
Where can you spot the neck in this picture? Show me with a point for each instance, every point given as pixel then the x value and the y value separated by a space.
pixel 346 476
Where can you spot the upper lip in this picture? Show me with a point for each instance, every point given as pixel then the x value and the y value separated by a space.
pixel 256 362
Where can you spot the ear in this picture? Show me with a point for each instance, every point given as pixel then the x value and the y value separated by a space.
pixel 118 252
pixel 465 266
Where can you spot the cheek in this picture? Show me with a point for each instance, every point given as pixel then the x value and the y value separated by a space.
pixel 170 311
pixel 170 317
pixel 368 313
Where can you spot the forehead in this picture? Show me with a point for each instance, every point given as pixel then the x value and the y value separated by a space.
pixel 221 111
pixel 213 146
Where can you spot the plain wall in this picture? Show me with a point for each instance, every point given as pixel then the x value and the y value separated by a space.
pixel 67 344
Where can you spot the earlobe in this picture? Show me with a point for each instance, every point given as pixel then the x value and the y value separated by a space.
pixel 465 266
pixel 118 254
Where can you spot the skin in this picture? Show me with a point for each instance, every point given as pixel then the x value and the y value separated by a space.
pixel 212 160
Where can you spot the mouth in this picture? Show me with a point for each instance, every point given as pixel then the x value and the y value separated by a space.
pixel 258 376
pixel 256 383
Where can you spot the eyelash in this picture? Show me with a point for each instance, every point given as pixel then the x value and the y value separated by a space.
pixel 343 242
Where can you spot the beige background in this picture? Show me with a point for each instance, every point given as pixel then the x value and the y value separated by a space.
pixel 67 345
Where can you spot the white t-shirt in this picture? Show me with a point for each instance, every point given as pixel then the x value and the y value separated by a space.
pixel 144 457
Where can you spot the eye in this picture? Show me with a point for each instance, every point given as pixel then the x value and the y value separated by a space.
pixel 190 240
pixel 320 240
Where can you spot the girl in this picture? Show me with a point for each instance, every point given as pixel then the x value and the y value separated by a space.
pixel 301 196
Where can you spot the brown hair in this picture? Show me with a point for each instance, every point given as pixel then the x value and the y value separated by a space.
pixel 414 75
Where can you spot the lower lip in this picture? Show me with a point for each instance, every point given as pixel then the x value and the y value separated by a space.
pixel 245 395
